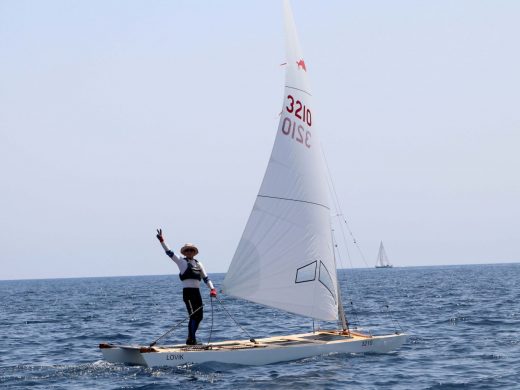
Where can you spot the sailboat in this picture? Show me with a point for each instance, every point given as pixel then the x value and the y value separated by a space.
pixel 382 258
pixel 285 258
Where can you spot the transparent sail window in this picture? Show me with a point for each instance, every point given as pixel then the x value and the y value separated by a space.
pixel 326 280
pixel 307 273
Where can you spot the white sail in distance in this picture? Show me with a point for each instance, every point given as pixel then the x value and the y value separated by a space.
pixel 382 258
pixel 285 256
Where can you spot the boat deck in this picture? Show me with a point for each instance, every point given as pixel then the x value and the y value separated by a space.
pixel 319 337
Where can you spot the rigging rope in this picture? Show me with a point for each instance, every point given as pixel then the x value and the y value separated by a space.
pixel 211 328
pixel 175 326
pixel 394 320
pixel 240 326
pixel 356 318
pixel 337 206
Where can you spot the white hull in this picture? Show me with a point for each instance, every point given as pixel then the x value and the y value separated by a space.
pixel 265 351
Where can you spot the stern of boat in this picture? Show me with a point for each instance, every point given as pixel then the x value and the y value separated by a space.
pixel 122 354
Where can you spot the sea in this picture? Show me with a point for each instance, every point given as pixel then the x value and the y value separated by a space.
pixel 463 324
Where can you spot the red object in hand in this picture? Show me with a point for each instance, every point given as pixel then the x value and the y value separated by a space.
pixel 213 293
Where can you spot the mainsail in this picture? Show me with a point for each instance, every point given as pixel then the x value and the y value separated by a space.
pixel 285 257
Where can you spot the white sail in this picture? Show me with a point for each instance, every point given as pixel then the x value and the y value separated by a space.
pixel 382 258
pixel 285 256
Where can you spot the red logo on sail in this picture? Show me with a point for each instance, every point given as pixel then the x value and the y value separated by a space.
pixel 301 64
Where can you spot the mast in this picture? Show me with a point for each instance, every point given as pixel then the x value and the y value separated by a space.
pixel 341 311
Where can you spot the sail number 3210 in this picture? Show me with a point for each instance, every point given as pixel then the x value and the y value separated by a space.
pixel 300 111
pixel 293 129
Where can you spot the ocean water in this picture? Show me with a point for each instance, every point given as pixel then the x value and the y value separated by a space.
pixel 463 322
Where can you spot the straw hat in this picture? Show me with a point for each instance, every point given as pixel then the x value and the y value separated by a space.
pixel 189 246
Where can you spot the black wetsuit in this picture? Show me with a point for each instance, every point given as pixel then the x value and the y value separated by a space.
pixel 193 300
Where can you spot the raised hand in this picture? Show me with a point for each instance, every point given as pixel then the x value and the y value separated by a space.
pixel 159 235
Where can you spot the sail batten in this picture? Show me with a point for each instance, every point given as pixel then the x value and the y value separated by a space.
pixel 294 200
pixel 285 256
pixel 298 89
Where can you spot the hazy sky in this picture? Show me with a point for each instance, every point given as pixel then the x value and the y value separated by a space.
pixel 117 117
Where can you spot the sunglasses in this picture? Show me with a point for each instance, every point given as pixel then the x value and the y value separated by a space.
pixel 189 250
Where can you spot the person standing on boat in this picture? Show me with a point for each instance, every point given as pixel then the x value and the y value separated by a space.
pixel 191 272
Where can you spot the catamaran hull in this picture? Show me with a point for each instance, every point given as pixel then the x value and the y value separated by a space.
pixel 266 351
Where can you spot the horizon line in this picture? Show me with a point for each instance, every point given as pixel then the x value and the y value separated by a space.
pixel 218 273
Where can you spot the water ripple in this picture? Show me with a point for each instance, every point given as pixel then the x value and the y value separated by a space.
pixel 463 323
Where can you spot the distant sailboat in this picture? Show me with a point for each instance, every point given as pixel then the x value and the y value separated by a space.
pixel 382 258
pixel 285 258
